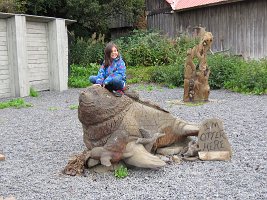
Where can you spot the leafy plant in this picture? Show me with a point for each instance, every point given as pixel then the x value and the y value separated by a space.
pixel 147 48
pixel 139 74
pixel 121 172
pixel 79 75
pixel 13 6
pixel 87 51
pixel 155 59
pixel 16 103
pixel 237 74
pixel 33 92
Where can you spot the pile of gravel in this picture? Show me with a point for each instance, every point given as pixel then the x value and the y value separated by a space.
pixel 38 142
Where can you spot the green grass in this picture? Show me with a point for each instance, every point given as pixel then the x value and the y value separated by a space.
pixel 191 104
pixel 15 103
pixel 73 107
pixel 121 172
pixel 33 92
pixel 149 88
pixel 53 108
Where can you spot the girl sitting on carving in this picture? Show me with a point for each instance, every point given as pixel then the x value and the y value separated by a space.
pixel 112 73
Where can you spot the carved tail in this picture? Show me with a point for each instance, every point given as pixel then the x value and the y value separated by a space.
pixel 137 155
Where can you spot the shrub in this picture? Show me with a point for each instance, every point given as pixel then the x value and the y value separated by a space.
pixel 237 74
pixel 139 74
pixel 167 75
pixel 144 48
pixel 249 78
pixel 222 67
pixel 79 75
pixel 155 58
pixel 86 51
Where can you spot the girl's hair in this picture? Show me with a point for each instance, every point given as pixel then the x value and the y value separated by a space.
pixel 108 50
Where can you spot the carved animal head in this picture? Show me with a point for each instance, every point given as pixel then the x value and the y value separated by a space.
pixel 207 40
pixel 97 104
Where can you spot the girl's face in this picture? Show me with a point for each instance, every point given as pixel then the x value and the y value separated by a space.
pixel 114 53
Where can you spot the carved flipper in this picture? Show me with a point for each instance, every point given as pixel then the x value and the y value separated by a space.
pixel 136 155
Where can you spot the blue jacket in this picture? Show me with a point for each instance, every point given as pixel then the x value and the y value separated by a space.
pixel 116 70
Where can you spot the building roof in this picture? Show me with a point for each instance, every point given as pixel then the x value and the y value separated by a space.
pixel 191 4
pixel 35 18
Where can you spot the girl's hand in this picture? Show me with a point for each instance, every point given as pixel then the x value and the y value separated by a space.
pixel 98 85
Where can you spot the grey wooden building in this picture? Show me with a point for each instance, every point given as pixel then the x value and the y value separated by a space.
pixel 119 26
pixel 33 53
pixel 237 25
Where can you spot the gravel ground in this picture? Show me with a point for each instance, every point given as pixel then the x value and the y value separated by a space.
pixel 38 142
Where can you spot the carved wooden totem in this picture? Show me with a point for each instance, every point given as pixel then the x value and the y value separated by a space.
pixel 196 86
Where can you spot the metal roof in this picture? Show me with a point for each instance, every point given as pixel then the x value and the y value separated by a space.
pixel 190 4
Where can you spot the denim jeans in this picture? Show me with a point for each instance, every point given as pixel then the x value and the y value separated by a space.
pixel 115 84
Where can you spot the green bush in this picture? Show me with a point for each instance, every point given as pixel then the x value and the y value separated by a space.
pixel 236 74
pixel 79 75
pixel 139 74
pixel 84 52
pixel 155 58
pixel 223 68
pixel 251 77
pixel 144 48
pixel 168 75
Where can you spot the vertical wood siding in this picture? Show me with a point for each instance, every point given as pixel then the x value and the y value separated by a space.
pixel 240 27
pixel 37 53
pixel 5 90
pixel 156 4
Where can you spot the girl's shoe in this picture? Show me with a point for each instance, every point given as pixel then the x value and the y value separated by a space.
pixel 118 93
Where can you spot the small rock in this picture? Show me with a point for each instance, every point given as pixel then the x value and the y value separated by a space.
pixel 165 158
pixel 176 159
pixel 169 150
pixel 2 157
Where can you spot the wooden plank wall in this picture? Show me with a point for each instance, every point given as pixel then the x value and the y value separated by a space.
pixel 37 53
pixel 156 4
pixel 5 90
pixel 240 27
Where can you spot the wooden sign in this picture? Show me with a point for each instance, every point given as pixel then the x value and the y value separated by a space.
pixel 212 137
